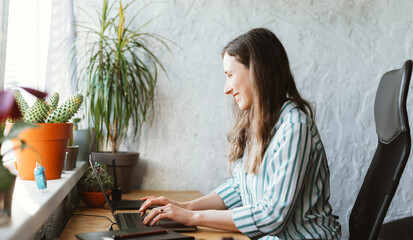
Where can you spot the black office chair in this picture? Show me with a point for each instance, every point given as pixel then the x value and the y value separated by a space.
pixel 390 158
pixel 398 229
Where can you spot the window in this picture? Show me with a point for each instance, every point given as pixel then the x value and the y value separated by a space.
pixel 27 43
pixel 40 34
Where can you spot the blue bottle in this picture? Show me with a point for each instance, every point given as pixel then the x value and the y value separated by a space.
pixel 40 177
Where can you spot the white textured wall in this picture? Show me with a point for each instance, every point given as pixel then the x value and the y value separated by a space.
pixel 338 51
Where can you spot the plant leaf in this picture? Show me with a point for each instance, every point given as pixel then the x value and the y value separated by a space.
pixel 18 127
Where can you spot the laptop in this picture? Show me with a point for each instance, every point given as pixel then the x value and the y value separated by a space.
pixel 135 220
pixel 127 204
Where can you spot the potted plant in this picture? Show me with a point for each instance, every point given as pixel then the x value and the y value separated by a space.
pixel 89 189
pixel 48 141
pixel 72 149
pixel 119 76
pixel 10 110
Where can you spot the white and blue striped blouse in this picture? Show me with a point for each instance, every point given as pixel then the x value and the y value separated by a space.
pixel 288 198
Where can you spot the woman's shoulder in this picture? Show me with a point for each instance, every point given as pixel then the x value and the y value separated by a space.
pixel 293 119
pixel 291 113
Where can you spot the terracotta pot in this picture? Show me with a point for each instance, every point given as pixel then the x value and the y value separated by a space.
pixel 94 199
pixel 47 141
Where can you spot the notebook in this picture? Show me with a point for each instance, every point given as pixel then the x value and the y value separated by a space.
pixel 162 236
pixel 134 220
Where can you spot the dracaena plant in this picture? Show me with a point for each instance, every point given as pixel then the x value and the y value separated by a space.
pixel 119 74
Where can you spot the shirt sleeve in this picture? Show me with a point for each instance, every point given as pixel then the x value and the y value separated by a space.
pixel 229 191
pixel 291 160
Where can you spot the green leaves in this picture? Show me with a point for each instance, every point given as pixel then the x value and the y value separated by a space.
pixel 89 183
pixel 120 75
pixel 6 178
pixel 121 23
pixel 18 126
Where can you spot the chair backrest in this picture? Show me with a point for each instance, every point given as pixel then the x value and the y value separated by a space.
pixel 393 149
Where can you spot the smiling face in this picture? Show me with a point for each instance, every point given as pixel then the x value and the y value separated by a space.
pixel 238 82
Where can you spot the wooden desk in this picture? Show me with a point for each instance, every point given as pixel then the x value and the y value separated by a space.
pixel 84 224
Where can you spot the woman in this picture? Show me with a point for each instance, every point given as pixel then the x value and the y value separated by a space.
pixel 280 185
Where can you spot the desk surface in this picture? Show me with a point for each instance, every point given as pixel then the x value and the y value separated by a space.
pixel 84 224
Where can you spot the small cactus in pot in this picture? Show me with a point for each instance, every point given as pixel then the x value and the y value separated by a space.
pixel 50 138
pixel 48 111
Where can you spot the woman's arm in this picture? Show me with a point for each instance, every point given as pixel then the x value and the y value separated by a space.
pixel 210 201
pixel 207 202
pixel 214 214
pixel 218 219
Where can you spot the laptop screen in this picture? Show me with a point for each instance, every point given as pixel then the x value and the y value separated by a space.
pixel 102 188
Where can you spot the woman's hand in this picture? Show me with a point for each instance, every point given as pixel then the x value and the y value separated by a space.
pixel 162 201
pixel 172 212
pixel 192 213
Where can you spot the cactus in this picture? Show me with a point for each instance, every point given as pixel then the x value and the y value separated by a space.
pixel 53 100
pixel 66 111
pixel 38 112
pixel 23 106
pixel 48 111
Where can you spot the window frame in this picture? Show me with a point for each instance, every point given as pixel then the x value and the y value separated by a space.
pixel 4 13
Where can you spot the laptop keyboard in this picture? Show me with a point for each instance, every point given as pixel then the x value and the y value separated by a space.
pixel 135 220
pixel 130 220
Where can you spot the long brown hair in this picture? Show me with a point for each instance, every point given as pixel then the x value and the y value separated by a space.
pixel 272 84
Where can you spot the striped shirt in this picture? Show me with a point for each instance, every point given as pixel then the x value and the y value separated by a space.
pixel 288 198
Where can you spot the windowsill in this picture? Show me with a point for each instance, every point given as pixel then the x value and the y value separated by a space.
pixel 31 207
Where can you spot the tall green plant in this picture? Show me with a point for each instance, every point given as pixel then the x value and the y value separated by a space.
pixel 120 73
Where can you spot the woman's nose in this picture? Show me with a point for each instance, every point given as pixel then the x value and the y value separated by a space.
pixel 227 88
